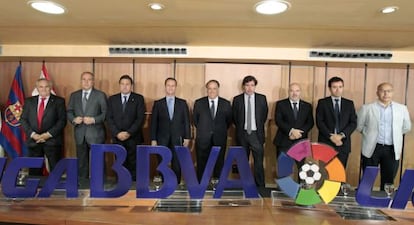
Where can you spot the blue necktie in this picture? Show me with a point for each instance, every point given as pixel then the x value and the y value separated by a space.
pixel 170 104
pixel 295 110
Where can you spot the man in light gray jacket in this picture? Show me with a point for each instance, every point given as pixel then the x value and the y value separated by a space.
pixel 383 124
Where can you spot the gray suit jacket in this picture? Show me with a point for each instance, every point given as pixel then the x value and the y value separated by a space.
pixel 96 108
pixel 368 125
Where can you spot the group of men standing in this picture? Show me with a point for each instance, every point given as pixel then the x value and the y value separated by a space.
pixel 382 124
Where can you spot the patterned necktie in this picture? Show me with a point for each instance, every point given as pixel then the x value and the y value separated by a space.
pixel 295 110
pixel 170 104
pixel 337 115
pixel 124 103
pixel 40 112
pixel 249 116
pixel 212 109
pixel 84 100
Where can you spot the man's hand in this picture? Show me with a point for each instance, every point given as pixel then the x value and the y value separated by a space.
pixel 295 134
pixel 88 120
pixel 78 120
pixel 154 143
pixel 123 135
pixel 336 139
pixel 186 142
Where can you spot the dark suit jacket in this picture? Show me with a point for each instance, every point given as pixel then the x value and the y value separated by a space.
pixel 325 121
pixel 285 121
pixel 54 120
pixel 166 131
pixel 131 120
pixel 261 110
pixel 96 108
pixel 206 126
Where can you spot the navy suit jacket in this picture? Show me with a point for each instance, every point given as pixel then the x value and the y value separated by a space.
pixel 207 127
pixel 54 119
pixel 166 131
pixel 325 121
pixel 131 120
pixel 285 121
pixel 261 110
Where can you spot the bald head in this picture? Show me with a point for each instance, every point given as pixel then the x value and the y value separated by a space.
pixel 294 92
pixel 384 93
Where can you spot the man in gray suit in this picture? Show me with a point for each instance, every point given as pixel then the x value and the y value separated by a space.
pixel 86 112
pixel 382 124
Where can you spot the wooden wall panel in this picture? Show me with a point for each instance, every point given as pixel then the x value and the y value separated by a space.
pixel 269 83
pixel 107 75
pixel 149 81
pixel 408 152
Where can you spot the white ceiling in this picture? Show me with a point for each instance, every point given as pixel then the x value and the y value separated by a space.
pixel 355 24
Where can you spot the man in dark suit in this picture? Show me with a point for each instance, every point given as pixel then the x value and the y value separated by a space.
pixel 250 114
pixel 293 118
pixel 170 123
pixel 126 114
pixel 336 120
pixel 212 117
pixel 86 112
pixel 43 120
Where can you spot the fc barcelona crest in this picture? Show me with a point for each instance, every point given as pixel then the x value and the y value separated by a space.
pixel 12 114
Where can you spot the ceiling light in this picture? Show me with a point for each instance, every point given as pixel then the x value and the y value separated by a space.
pixel 389 9
pixel 156 6
pixel 47 7
pixel 271 7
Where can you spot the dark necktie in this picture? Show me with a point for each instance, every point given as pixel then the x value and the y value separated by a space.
pixel 337 115
pixel 84 101
pixel 249 116
pixel 212 109
pixel 295 110
pixel 124 103
pixel 40 112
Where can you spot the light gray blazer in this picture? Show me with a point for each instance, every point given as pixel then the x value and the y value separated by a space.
pixel 96 108
pixel 368 125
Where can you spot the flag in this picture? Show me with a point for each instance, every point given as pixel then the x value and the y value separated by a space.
pixel 43 74
pixel 12 137
pixel 1 148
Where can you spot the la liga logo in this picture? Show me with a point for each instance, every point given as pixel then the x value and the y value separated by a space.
pixel 315 161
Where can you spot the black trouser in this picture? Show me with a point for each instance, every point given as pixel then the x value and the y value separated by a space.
pixel 343 157
pixel 203 149
pixel 385 157
pixel 251 143
pixel 53 154
pixel 82 153
pixel 130 163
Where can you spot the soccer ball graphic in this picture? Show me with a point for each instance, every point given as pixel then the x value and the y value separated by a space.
pixel 310 173
pixel 319 157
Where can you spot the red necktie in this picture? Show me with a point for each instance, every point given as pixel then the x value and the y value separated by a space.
pixel 40 113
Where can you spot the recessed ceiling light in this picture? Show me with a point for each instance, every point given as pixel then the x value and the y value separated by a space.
pixel 271 7
pixel 389 9
pixel 47 7
pixel 156 6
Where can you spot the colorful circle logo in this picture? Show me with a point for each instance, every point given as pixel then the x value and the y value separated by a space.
pixel 310 173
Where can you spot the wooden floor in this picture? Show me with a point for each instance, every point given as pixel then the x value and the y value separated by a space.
pixel 129 210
